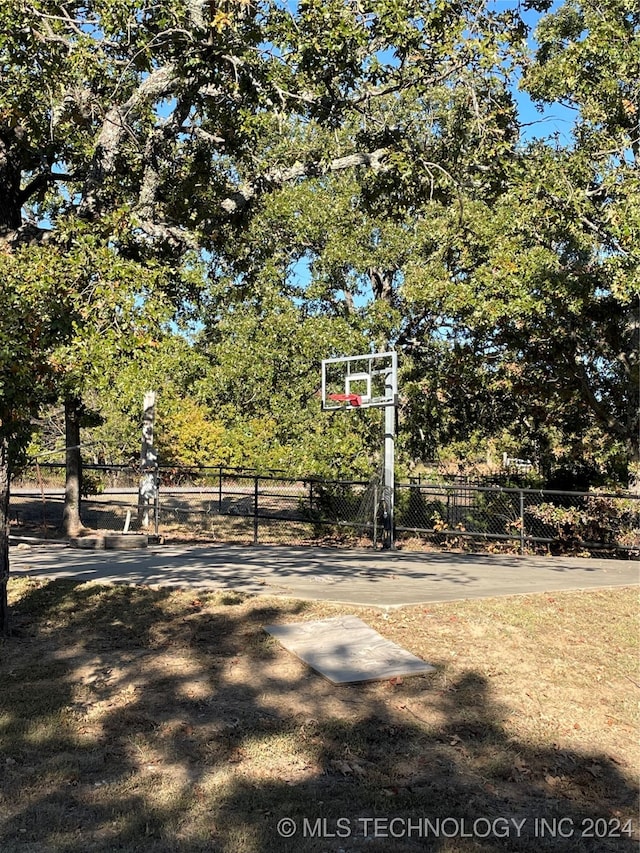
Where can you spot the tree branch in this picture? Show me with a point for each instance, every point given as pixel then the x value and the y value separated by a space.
pixel 40 182
pixel 161 82
pixel 274 178
pixel 177 238
pixel 601 411
pixel 27 234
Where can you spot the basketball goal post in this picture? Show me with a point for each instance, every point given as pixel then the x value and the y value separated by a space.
pixel 361 382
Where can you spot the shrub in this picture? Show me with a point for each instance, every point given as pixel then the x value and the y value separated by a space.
pixel 600 520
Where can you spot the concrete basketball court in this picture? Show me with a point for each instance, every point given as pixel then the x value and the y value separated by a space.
pixel 357 577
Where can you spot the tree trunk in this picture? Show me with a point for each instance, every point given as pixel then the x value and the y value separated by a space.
pixel 381 284
pixel 73 465
pixel 4 534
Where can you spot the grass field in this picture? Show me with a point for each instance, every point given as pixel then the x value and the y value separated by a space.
pixel 135 719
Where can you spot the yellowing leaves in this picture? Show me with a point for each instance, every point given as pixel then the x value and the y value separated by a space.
pixel 221 21
pixel 188 436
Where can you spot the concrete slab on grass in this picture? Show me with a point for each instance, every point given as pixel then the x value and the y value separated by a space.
pixel 345 650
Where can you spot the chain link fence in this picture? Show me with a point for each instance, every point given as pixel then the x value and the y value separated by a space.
pixel 206 504
pixel 250 508
pixel 527 519
pixel 239 506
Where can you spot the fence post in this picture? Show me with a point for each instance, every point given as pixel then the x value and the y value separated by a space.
pixel 310 498
pixel 255 510
pixel 220 490
pixel 521 521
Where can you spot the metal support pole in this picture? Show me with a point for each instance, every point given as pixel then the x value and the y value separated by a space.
pixel 521 521
pixel 389 464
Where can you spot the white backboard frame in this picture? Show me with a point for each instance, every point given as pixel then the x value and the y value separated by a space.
pixel 373 378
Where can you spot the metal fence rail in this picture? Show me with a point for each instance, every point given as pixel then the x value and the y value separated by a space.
pixel 249 507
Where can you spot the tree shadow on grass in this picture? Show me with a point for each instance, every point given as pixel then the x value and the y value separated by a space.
pixel 137 719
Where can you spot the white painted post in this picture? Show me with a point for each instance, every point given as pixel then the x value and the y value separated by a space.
pixel 148 460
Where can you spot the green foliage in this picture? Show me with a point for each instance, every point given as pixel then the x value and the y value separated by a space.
pixel 118 308
pixel 266 359
pixel 588 56
pixel 166 364
pixel 536 300
pixel 35 303
pixel 91 484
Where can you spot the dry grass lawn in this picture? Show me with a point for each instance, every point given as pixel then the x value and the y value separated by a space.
pixel 134 719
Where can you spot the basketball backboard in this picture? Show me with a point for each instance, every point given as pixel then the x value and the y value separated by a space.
pixel 360 381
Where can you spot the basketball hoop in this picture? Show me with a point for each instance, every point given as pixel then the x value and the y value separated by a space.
pixel 361 382
pixel 351 399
